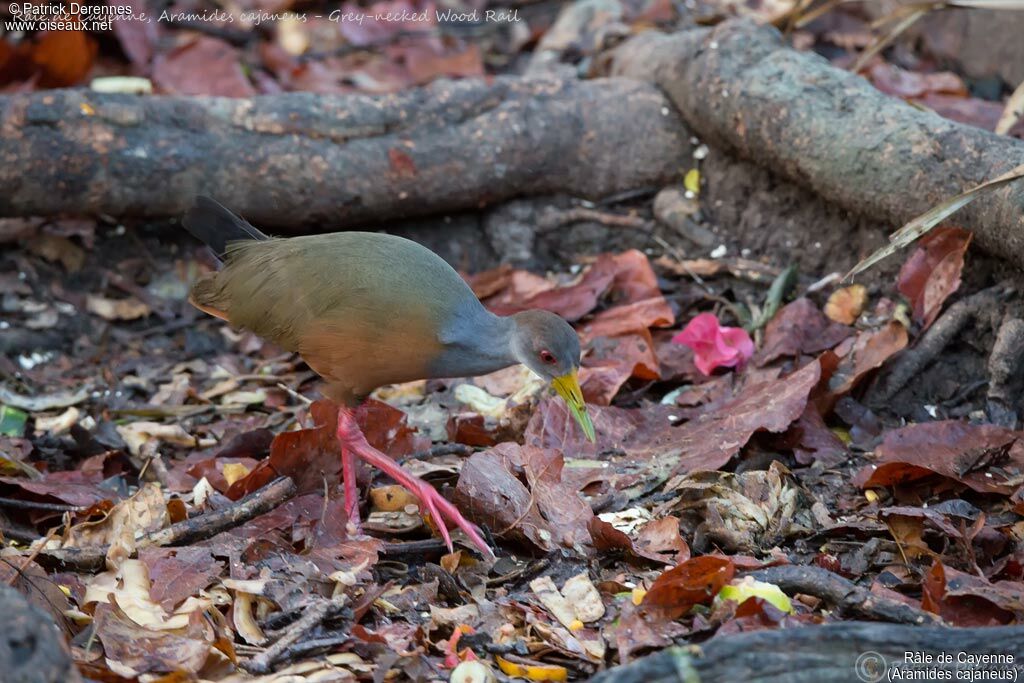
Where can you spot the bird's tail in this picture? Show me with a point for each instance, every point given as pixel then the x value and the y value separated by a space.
pixel 214 224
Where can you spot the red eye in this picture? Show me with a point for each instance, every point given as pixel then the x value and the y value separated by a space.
pixel 547 357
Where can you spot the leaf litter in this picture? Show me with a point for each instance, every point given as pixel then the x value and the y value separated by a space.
pixel 605 550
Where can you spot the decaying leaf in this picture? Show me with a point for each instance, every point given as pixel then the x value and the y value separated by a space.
pixel 932 273
pixel 713 438
pixel 549 513
pixel 132 649
pixel 130 519
pixel 987 458
pixel 143 438
pixel 799 328
pixel 694 582
pixel 749 512
pixel 116 309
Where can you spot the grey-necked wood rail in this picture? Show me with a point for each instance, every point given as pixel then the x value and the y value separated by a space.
pixel 365 309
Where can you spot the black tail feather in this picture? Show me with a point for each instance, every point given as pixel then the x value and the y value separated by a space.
pixel 214 224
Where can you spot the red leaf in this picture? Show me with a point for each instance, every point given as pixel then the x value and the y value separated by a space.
pixel 867 352
pixel 205 66
pixel 933 589
pixel 178 573
pixel 694 582
pixel 658 540
pixel 544 510
pixel 713 438
pixel 932 273
pixel 799 328
pixel 613 361
pixel 987 458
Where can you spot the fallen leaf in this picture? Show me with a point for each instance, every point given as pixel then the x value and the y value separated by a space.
pixel 987 458
pixel 753 511
pixel 143 438
pixel 179 573
pixel 204 66
pixel 741 590
pixel 711 439
pixel 132 649
pixel 129 587
pixel 799 328
pixel 555 603
pixel 846 304
pixel 613 361
pixel 868 351
pixel 116 309
pixel 64 57
pixel 584 597
pixel 544 511
pixel 932 272
pixel 694 582
pixel 143 512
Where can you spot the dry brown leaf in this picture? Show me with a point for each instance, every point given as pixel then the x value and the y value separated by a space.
pixel 116 309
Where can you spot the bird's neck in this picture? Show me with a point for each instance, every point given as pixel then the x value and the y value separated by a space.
pixel 477 346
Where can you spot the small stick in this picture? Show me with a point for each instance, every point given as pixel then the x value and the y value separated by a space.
pixel 555 218
pixel 912 361
pixel 437 451
pixel 184 532
pixel 32 556
pixel 36 505
pixel 294 394
pixel 315 614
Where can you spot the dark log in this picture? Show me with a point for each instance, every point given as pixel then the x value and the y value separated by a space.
pixel 841 652
pixel 843 594
pixel 305 160
pixel 742 89
pixel 31 647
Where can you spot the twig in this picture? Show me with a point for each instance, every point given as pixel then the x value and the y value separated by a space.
pixel 847 596
pixel 315 614
pixel 1004 370
pixel 184 532
pixel 439 450
pixel 906 366
pixel 32 556
pixel 294 394
pixel 556 218
pixel 414 550
pixel 235 37
pixel 310 646
pixel 37 505
pixel 36 404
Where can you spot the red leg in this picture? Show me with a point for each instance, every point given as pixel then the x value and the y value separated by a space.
pixel 348 478
pixel 352 442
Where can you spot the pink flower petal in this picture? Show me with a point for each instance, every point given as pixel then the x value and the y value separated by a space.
pixel 715 346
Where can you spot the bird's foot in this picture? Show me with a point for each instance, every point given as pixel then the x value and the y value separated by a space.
pixel 353 443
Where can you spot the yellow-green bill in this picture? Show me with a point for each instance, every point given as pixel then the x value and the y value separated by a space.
pixel 568 387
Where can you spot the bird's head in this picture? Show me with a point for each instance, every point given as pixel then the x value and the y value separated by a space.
pixel 545 343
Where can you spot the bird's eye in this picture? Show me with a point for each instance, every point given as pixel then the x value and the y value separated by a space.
pixel 547 357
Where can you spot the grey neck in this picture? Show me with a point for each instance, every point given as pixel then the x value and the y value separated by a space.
pixel 476 345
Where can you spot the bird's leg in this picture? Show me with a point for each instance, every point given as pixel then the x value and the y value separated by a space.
pixel 348 477
pixel 352 441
